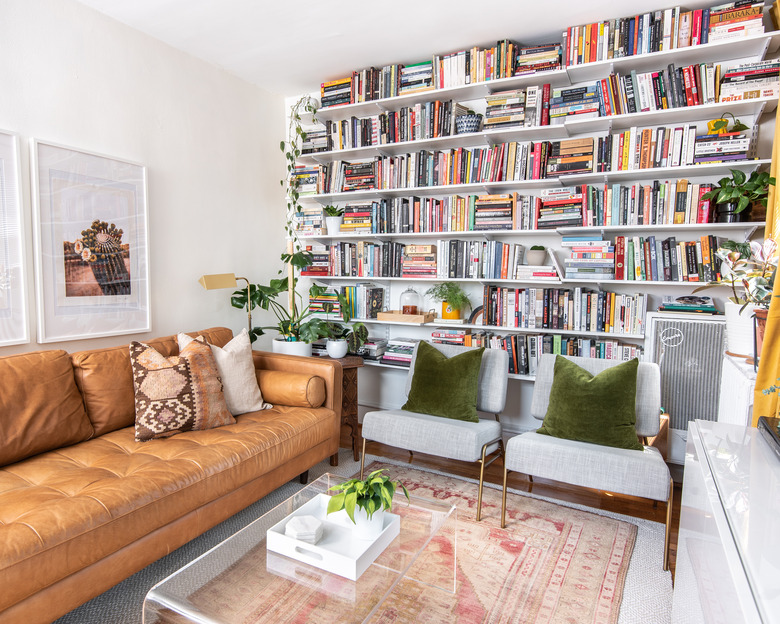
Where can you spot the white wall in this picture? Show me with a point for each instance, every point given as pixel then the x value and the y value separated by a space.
pixel 209 141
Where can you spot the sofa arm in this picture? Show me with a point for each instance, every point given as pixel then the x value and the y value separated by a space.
pixel 291 389
pixel 329 370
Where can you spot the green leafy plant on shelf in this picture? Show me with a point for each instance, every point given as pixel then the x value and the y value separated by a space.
pixel 356 335
pixel 370 494
pixel 297 325
pixel 333 211
pixel 741 190
pixel 450 292
pixel 291 148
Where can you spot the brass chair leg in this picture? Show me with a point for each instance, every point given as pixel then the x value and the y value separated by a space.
pixel 668 524
pixel 503 501
pixel 363 459
pixel 481 478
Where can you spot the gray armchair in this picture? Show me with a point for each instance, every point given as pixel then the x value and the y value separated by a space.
pixel 622 471
pixel 444 437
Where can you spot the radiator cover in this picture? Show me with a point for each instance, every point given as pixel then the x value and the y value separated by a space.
pixel 689 352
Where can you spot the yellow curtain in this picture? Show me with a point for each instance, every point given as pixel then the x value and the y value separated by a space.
pixel 769 365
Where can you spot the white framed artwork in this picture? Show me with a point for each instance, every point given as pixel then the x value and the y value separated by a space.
pixel 14 326
pixel 91 244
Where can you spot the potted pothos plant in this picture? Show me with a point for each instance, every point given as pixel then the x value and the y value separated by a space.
pixel 344 339
pixel 736 195
pixel 333 218
pixel 452 297
pixel 365 501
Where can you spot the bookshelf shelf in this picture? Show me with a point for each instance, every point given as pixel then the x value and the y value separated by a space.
pixel 658 173
pixel 726 52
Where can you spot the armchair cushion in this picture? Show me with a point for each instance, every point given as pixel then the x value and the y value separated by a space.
pixel 597 409
pixel 444 386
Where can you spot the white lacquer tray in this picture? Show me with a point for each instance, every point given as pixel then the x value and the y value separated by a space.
pixel 338 551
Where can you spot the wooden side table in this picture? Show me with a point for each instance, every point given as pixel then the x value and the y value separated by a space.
pixel 349 404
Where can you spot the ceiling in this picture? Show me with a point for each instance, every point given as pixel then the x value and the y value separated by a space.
pixel 290 47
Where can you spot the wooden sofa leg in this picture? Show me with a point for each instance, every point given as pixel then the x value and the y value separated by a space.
pixel 667 537
pixel 334 459
pixel 304 477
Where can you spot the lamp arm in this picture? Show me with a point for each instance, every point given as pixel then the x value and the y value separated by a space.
pixel 248 302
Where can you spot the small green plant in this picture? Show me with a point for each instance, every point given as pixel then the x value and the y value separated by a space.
pixel 450 292
pixel 370 494
pixel 356 335
pixel 741 190
pixel 333 211
pixel 537 247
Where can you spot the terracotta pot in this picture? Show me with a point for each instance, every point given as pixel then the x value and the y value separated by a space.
pixel 761 314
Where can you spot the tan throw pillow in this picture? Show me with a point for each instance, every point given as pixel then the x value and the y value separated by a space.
pixel 237 370
pixel 175 394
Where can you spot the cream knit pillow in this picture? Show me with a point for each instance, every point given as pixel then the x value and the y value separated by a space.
pixel 237 370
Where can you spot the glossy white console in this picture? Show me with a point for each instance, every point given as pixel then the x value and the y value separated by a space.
pixel 728 551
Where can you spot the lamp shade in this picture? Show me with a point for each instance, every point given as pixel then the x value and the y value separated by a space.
pixel 218 280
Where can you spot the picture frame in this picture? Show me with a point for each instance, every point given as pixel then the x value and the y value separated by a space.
pixel 91 244
pixel 14 323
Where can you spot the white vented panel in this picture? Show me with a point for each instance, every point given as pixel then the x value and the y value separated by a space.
pixel 689 352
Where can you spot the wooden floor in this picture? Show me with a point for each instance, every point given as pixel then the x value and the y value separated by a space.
pixel 629 505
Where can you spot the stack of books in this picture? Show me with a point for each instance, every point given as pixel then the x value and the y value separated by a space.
pixel 326 303
pixel 580 101
pixel 591 258
pixel 373 349
pixel 320 265
pixel 505 108
pixel 416 77
pixel 688 304
pixel 750 81
pixel 399 351
pixel 734 20
pixel 357 217
pixel 450 336
pixel 306 179
pixel 358 176
pixel 495 212
pixel 317 139
pixel 559 207
pixel 715 148
pixel 366 299
pixel 419 261
pixel 537 106
pixel 539 58
pixel 336 92
pixel 571 156
pixel 308 221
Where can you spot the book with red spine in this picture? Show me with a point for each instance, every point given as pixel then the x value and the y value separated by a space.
pixel 545 121
pixel 620 257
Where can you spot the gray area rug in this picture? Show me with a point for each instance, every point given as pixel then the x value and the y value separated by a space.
pixel 647 597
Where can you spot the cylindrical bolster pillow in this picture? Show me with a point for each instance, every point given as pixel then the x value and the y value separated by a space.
pixel 293 389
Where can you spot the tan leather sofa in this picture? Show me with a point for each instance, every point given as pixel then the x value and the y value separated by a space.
pixel 83 506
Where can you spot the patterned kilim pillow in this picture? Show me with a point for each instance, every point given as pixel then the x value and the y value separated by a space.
pixel 175 394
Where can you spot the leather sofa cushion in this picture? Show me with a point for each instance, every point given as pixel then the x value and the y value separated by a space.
pixel 64 510
pixel 294 389
pixel 105 379
pixel 40 406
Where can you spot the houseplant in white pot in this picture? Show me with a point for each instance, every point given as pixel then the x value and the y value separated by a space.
pixel 365 501
pixel 333 218
pixel 749 270
pixel 343 338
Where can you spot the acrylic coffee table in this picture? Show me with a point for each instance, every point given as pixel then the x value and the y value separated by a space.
pixel 241 582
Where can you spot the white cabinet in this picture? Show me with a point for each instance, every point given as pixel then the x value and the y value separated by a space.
pixel 728 551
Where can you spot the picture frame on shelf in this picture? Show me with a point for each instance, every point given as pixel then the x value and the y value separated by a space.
pixel 91 244
pixel 14 326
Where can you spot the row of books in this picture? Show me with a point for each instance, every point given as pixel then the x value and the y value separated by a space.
pixel 631 149
pixel 399 351
pixel 473 259
pixel 559 308
pixel 525 350
pixel 518 108
pixel 424 120
pixel 661 30
pixel 504 60
pixel 636 258
pixel 364 301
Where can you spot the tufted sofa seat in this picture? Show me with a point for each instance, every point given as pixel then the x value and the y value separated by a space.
pixel 77 519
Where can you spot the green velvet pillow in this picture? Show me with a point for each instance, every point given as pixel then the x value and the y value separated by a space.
pixel 444 386
pixel 599 409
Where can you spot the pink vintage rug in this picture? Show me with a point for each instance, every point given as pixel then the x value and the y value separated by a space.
pixel 552 564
